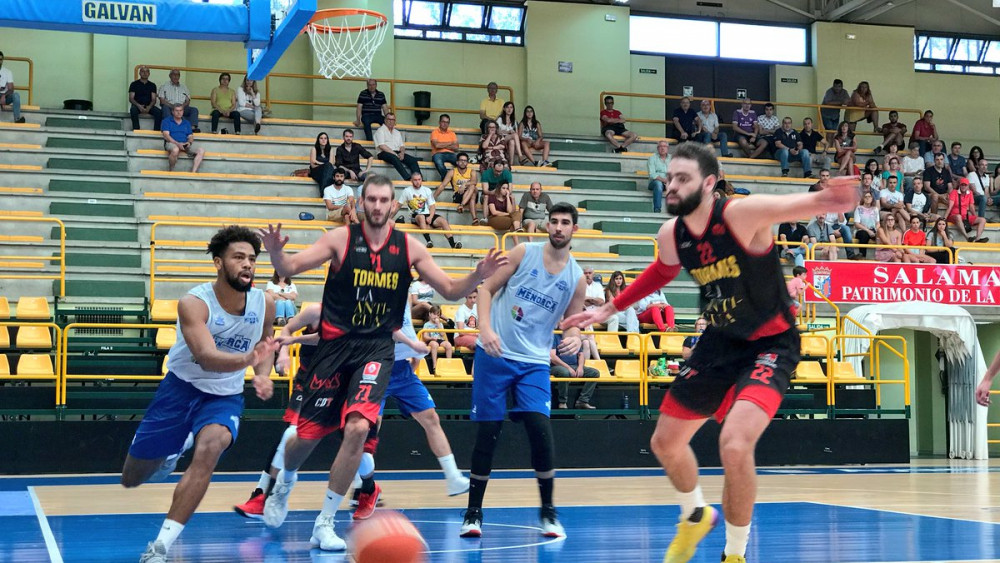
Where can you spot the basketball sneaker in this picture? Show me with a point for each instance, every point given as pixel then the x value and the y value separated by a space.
pixel 472 525
pixel 367 503
pixel 458 486
pixel 155 552
pixel 253 508
pixel 324 536
pixel 170 462
pixel 353 503
pixel 733 558
pixel 276 505
pixel 551 528
pixel 689 534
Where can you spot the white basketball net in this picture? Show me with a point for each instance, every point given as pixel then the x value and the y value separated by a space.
pixel 346 53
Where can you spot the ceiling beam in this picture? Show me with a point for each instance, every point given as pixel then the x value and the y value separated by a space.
pixel 846 8
pixel 792 9
pixel 993 21
pixel 888 6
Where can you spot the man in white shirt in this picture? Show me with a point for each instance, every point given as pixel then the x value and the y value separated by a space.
pixel 8 96
pixel 979 181
pixel 339 200
pixel 392 148
pixel 419 200
pixel 710 132
pixel 466 318
pixel 173 93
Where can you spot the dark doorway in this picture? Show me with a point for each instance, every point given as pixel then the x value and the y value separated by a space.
pixel 715 79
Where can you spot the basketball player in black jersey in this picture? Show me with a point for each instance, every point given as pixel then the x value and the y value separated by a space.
pixel 741 368
pixel 363 300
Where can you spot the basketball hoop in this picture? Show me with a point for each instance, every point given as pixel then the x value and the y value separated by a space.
pixel 345 44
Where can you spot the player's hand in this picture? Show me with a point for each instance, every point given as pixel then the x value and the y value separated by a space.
pixel 983 392
pixel 490 342
pixel 272 239
pixel 841 194
pixel 495 259
pixel 266 347
pixel 569 345
pixel 587 318
pixel 283 363
pixel 264 387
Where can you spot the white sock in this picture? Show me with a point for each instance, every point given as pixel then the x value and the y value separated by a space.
pixel 449 467
pixel 278 462
pixel 287 475
pixel 265 481
pixel 367 466
pixel 690 501
pixel 331 503
pixel 169 532
pixel 736 539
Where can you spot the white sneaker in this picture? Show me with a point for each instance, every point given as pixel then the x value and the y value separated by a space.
pixel 458 486
pixel 472 523
pixel 324 536
pixel 551 528
pixel 276 505
pixel 155 552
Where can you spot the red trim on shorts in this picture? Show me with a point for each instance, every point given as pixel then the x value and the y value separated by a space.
pixel 329 332
pixel 310 430
pixel 371 444
pixel 767 398
pixel 671 407
pixel 291 416
pixel 776 325
pixel 727 403
pixel 367 410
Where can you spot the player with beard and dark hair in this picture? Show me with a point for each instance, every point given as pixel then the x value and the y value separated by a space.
pixel 223 327
pixel 740 369
pixel 366 291
pixel 519 308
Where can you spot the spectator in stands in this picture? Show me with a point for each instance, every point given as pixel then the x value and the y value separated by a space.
pixel 893 133
pixel 862 98
pixel 834 96
pixel 464 180
pixel 372 108
pixel 846 147
pixel 938 178
pixel 788 146
pixel 616 285
pixel 915 236
pixel 824 180
pixel 489 183
pixel 8 94
pixel 891 151
pixel 507 128
pixel 419 201
pixel 956 162
pixel 687 347
pixel 866 218
pixel 173 94
pixel 725 188
pixel 917 203
pixel 975 155
pixel 572 366
pixel 529 130
pixel 961 213
pixel 872 167
pixel 797 284
pixel 320 167
pixel 435 340
pixel 937 148
pixel 612 124
pixel 889 234
pixel 913 166
pixel 348 156
pixel 224 104
pixel 892 202
pixel 814 144
pixel 248 103
pixel 821 232
pixel 656 165
pixel 339 200
pixel 178 137
pixel 284 293
pixel 938 236
pixel 421 297
pixel 866 186
pixel 654 309
pixel 492 149
pixel 686 122
pixel 502 213
pixel 767 125
pixel 391 145
pixel 893 170
pixel 745 127
pixel 466 318
pixel 141 98
pixel 979 182
pixel 793 241
pixel 709 131
pixel 444 145
pixel 535 207
pixel 490 107
pixel 994 194
pixel 924 132
pixel 595 291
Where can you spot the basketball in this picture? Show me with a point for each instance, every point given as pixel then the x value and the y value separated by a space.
pixel 387 537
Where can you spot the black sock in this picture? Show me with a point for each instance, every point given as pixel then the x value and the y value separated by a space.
pixel 545 487
pixel 368 484
pixel 477 490
pixel 451 241
pixel 427 237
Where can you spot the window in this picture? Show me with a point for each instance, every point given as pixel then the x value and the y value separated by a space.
pixel 707 38
pixel 762 43
pixel 673 36
pixel 956 54
pixel 459 21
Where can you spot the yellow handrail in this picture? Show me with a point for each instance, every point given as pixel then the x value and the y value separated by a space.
pixel 57 340
pixel 30 88
pixel 811 253
pixel 876 344
pixel 60 258
pixel 836 310
pixel 643 238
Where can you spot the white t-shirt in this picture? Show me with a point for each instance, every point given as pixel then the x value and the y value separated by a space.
pixel 912 165
pixel 467 316
pixel 174 94
pixel 979 184
pixel 594 291
pixel 290 288
pixel 423 291
pixel 918 201
pixel 6 77
pixel 243 101
pixel 337 196
pixel 394 139
pixel 709 121
pixel 891 198
pixel 418 201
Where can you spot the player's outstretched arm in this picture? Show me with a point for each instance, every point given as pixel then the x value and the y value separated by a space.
pixel 453 289
pixel 193 316
pixel 263 353
pixel 286 265
pixel 760 211
pixel 308 316
pixel 983 389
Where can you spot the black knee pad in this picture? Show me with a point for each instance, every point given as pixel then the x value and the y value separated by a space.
pixel 539 430
pixel 487 436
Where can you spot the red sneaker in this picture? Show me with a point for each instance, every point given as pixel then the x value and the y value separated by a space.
pixel 366 504
pixel 253 508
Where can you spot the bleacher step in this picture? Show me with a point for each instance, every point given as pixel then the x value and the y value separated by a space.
pixel 616 205
pixel 59 208
pixel 97 165
pixel 103 260
pixel 584 184
pixel 632 250
pixel 574 146
pixel 101 287
pixel 98 234
pixel 591 165
pixel 82 186
pixel 85 144
pixel 83 122
pixel 628 227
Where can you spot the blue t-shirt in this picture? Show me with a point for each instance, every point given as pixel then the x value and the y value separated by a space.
pixel 179 132
pixel 570 360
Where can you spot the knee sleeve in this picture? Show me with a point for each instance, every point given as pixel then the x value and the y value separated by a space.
pixel 278 461
pixel 367 466
pixel 539 430
pixel 487 436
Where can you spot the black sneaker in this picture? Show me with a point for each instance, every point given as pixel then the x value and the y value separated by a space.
pixel 430 244
pixel 225 131
pixel 19 120
pixel 784 173
pixel 472 524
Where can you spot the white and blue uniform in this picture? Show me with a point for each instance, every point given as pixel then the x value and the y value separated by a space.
pixel 410 393
pixel 523 314
pixel 191 397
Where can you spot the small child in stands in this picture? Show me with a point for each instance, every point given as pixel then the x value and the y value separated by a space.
pixel 436 340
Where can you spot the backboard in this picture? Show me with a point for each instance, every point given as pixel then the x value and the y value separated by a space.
pixel 286 20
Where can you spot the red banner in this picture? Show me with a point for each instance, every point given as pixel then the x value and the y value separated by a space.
pixel 881 282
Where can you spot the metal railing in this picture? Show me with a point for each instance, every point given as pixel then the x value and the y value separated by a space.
pixel 56 336
pixel 20 86
pixel 634 238
pixel 29 262
pixel 993 424
pixel 811 253
pixel 872 372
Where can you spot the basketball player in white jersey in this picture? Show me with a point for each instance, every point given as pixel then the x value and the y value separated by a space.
pixel 223 327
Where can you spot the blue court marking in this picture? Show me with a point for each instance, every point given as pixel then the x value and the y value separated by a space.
pixel 799 532
pixel 20 483
pixel 16 503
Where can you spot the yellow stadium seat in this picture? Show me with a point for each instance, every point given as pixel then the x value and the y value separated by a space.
pixel 810 370
pixel 671 344
pixel 609 344
pixel 34 337
pixel 450 367
pixel 33 308
pixel 165 338
pixel 163 367
pixel 814 346
pixel 4 337
pixel 600 365
pixel 4 365
pixel 35 364
pixel 449 310
pixel 844 370
pixel 4 308
pixel 163 311
pixel 627 369
pixel 422 369
pixel 251 372
pixel 632 344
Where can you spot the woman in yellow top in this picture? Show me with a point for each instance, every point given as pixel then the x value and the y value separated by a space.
pixel 862 98
pixel 224 104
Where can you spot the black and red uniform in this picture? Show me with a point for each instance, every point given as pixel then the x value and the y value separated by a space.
pixel 301 379
pixel 751 345
pixel 363 304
